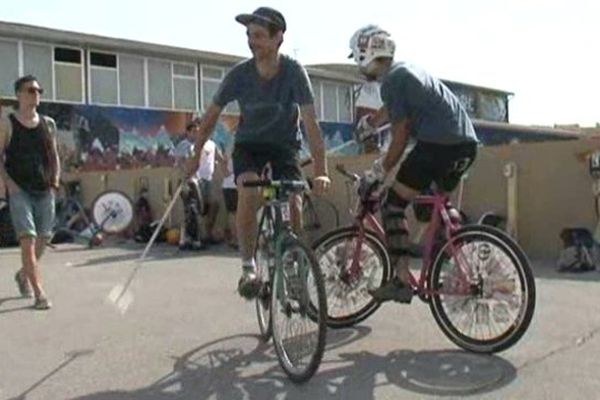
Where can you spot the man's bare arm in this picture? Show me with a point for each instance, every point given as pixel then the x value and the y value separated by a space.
pixel 315 139
pixel 6 180
pixel 400 132
pixel 56 157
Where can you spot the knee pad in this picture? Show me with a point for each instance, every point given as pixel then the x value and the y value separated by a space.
pixel 394 224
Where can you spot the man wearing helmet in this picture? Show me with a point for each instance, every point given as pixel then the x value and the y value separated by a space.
pixel 419 106
pixel 273 91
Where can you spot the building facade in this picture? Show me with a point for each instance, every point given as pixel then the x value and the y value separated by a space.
pixel 123 104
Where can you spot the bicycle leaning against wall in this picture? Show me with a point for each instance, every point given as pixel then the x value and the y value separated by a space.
pixel 111 213
pixel 476 279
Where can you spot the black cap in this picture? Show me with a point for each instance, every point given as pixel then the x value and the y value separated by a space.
pixel 262 16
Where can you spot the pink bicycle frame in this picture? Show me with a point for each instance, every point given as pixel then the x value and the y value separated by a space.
pixel 364 220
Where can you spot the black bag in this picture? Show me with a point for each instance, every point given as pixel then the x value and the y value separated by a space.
pixel 7 232
pixel 580 251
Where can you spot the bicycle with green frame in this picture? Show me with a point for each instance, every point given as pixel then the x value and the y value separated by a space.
pixel 291 304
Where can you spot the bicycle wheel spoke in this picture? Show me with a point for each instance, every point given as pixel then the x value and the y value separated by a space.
pixel 298 313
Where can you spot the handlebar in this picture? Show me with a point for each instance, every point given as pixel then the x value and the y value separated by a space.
pixel 292 185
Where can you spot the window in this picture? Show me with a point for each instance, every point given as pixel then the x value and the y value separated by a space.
pixel 104 78
pixel 211 79
pixel 9 67
pixel 316 85
pixel 492 107
pixel 37 61
pixel 185 86
pixel 330 102
pixel 345 105
pixel 333 101
pixel 103 60
pixel 132 89
pixel 160 88
pixel 68 74
pixel 72 56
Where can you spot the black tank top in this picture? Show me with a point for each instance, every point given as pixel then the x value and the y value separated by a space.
pixel 27 162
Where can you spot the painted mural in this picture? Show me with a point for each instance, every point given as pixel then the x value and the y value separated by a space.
pixel 93 138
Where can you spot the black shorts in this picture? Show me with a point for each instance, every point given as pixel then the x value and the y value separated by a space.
pixel 285 163
pixel 231 197
pixel 442 164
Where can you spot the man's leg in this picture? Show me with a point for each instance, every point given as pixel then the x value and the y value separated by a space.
pixel 414 175
pixel 30 264
pixel 396 232
pixel 247 226
pixel 40 247
pixel 296 213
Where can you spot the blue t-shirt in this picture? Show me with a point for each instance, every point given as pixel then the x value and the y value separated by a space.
pixel 269 108
pixel 435 113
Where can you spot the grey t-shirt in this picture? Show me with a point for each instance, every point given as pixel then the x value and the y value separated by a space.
pixel 269 109
pixel 435 113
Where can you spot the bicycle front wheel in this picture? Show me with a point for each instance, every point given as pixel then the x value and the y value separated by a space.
pixel 483 290
pixel 264 255
pixel 352 265
pixel 298 312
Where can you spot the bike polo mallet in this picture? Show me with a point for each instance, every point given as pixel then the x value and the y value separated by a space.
pixel 120 296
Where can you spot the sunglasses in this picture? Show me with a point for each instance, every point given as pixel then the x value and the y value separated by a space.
pixel 34 90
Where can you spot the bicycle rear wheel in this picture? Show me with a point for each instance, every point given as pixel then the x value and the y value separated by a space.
pixel 319 216
pixel 299 312
pixel 483 290
pixel 348 299
pixel 264 255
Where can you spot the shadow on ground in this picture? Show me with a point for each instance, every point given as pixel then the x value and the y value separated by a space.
pixel 219 370
pixel 159 252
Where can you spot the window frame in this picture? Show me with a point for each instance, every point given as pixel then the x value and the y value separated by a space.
pixel 82 74
pixel 90 67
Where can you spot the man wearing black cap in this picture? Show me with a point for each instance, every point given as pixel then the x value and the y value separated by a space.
pixel 273 91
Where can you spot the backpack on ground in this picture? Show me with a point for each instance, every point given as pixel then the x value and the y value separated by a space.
pixel 581 253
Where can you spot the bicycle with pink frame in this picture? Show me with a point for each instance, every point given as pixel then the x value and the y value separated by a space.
pixel 476 279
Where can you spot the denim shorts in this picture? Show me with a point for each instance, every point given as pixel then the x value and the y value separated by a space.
pixel 32 214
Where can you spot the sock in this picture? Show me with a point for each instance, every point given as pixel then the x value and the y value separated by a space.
pixel 249 263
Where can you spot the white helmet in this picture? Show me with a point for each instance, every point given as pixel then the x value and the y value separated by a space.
pixel 369 43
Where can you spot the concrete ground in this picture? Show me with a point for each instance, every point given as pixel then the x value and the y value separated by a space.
pixel 187 335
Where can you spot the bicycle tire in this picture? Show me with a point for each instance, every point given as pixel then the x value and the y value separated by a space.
pixel 293 299
pixel 492 249
pixel 264 255
pixel 334 285
pixel 319 216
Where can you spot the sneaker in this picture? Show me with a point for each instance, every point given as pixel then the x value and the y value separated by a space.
pixel 23 285
pixel 249 284
pixel 42 303
pixel 395 290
